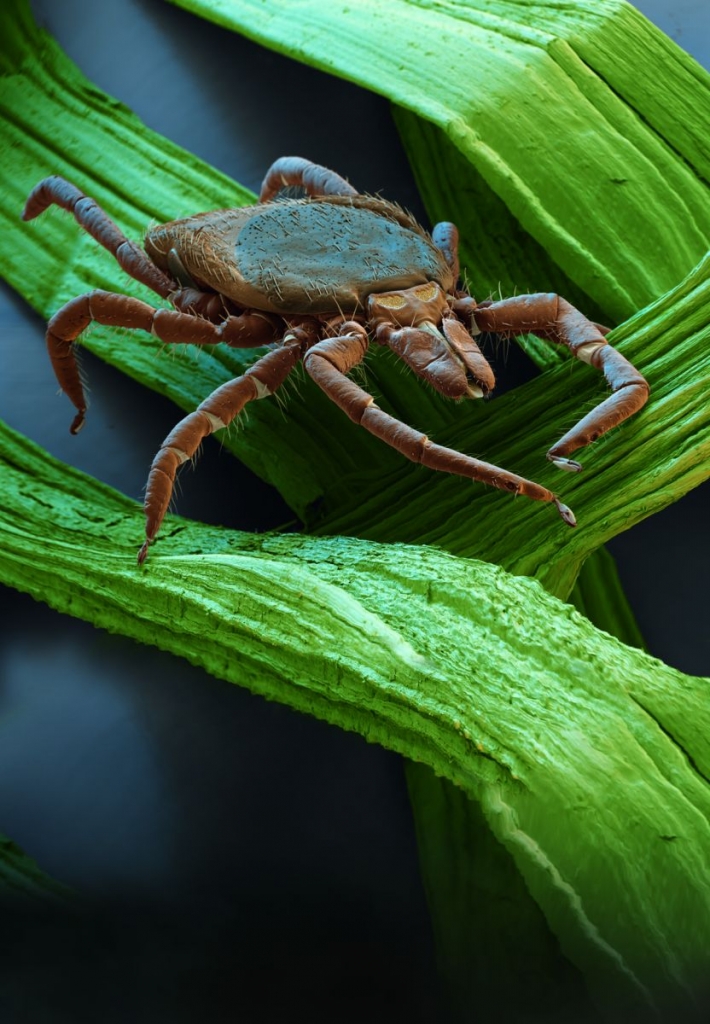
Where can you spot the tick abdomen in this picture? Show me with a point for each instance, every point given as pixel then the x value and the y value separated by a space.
pixel 305 256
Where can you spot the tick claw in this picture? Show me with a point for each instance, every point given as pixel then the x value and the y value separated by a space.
pixel 143 553
pixel 569 465
pixel 566 512
pixel 77 422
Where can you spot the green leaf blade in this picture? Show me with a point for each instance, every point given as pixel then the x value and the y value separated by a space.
pixel 566 737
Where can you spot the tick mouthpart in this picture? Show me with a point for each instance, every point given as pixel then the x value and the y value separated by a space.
pixel 474 387
pixel 479 376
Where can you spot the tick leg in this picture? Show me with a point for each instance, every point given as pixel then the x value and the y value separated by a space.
pixel 552 317
pixel 294 171
pixel 329 361
pixel 99 225
pixel 210 305
pixel 246 331
pixel 216 412
pixel 445 236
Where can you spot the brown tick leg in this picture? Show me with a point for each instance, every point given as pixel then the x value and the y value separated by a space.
pixel 552 317
pixel 246 331
pixel 210 305
pixel 329 361
pixel 445 236
pixel 216 412
pixel 99 225
pixel 294 171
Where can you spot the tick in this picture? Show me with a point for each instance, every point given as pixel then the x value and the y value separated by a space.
pixel 318 279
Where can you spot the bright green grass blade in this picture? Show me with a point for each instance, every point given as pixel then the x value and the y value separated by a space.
pixel 494 947
pixel 586 756
pixel 537 100
pixel 495 950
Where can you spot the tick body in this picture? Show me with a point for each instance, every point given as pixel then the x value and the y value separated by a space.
pixel 320 256
pixel 319 279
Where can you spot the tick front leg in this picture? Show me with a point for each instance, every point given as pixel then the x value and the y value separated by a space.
pixel 216 412
pixel 550 316
pixel 294 171
pixel 246 331
pixel 329 361
pixel 99 225
pixel 445 236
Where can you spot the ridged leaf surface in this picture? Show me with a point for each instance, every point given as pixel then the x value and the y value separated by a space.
pixel 590 760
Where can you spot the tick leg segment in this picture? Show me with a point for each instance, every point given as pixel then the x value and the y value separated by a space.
pixel 249 330
pixel 209 305
pixel 445 236
pixel 295 171
pixel 99 225
pixel 329 361
pixel 216 412
pixel 550 316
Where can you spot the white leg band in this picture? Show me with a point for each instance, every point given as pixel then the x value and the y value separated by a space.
pixel 215 422
pixel 261 389
pixel 182 456
pixel 586 352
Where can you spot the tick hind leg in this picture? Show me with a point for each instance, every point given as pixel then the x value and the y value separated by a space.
pixel 99 225
pixel 294 171
pixel 552 317
pixel 249 330
pixel 329 361
pixel 215 413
